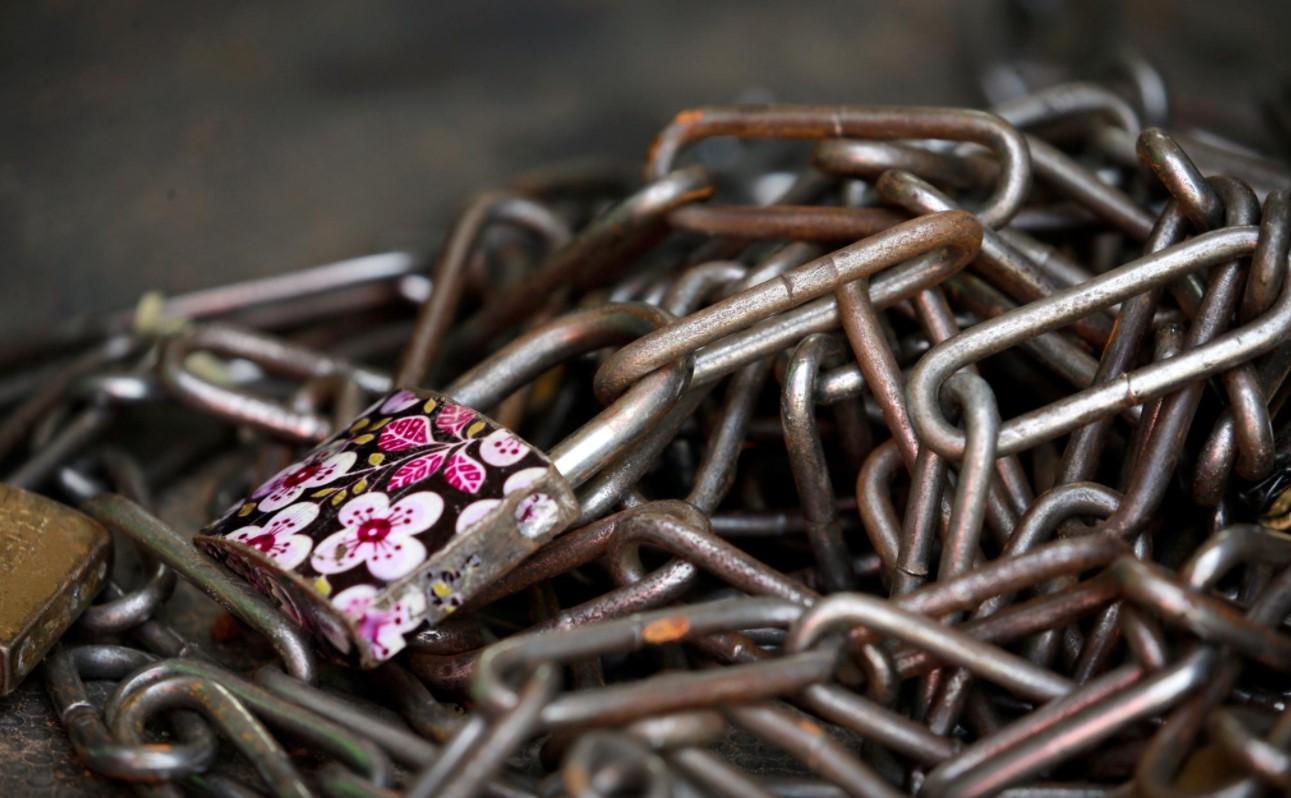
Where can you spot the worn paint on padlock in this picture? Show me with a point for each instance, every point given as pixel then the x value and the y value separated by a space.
pixel 53 561
pixel 393 522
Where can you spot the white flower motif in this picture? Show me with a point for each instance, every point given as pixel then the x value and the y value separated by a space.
pixel 380 534
pixel 473 512
pixel 277 539
pixel 399 401
pixel 317 470
pixel 522 479
pixel 382 626
pixel 501 448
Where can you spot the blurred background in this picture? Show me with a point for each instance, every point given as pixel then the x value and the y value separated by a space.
pixel 170 146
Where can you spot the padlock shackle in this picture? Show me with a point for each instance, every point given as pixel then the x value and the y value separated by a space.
pixel 592 446
pixel 547 346
pixel 691 288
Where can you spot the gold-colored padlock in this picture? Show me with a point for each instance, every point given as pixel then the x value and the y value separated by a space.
pixel 53 561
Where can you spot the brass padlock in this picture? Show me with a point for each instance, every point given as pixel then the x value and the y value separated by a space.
pixel 53 561
pixel 396 520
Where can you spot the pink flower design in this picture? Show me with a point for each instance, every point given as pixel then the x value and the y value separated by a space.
pixel 417 469
pixel 382 626
pixel 408 432
pixel 464 473
pixel 398 402
pixel 380 534
pixel 277 539
pixel 314 471
pixel 453 419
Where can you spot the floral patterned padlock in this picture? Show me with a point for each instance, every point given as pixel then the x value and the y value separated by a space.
pixel 393 522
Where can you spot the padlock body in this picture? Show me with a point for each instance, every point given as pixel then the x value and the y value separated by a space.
pixel 53 561
pixel 393 523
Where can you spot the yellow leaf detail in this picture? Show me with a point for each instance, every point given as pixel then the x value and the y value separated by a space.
pixel 430 406
pixel 319 494
pixel 1279 514
pixel 1276 521
pixel 339 497
pixel 358 425
pixel 474 429
pixel 1281 504
pixel 362 439
pixel 379 424
pixel 376 459
pixel 323 586
pixel 246 509
pixel 359 486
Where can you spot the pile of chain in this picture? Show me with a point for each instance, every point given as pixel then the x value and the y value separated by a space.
pixel 944 455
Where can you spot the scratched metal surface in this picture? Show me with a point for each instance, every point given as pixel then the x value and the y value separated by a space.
pixel 174 146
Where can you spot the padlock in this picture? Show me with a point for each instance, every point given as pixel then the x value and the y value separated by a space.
pixel 53 561
pixel 396 520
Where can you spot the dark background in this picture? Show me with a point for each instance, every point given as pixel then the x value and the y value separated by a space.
pixel 167 145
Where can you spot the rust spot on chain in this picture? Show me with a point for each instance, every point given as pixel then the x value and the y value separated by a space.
pixel 811 728
pixel 688 117
pixel 666 630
